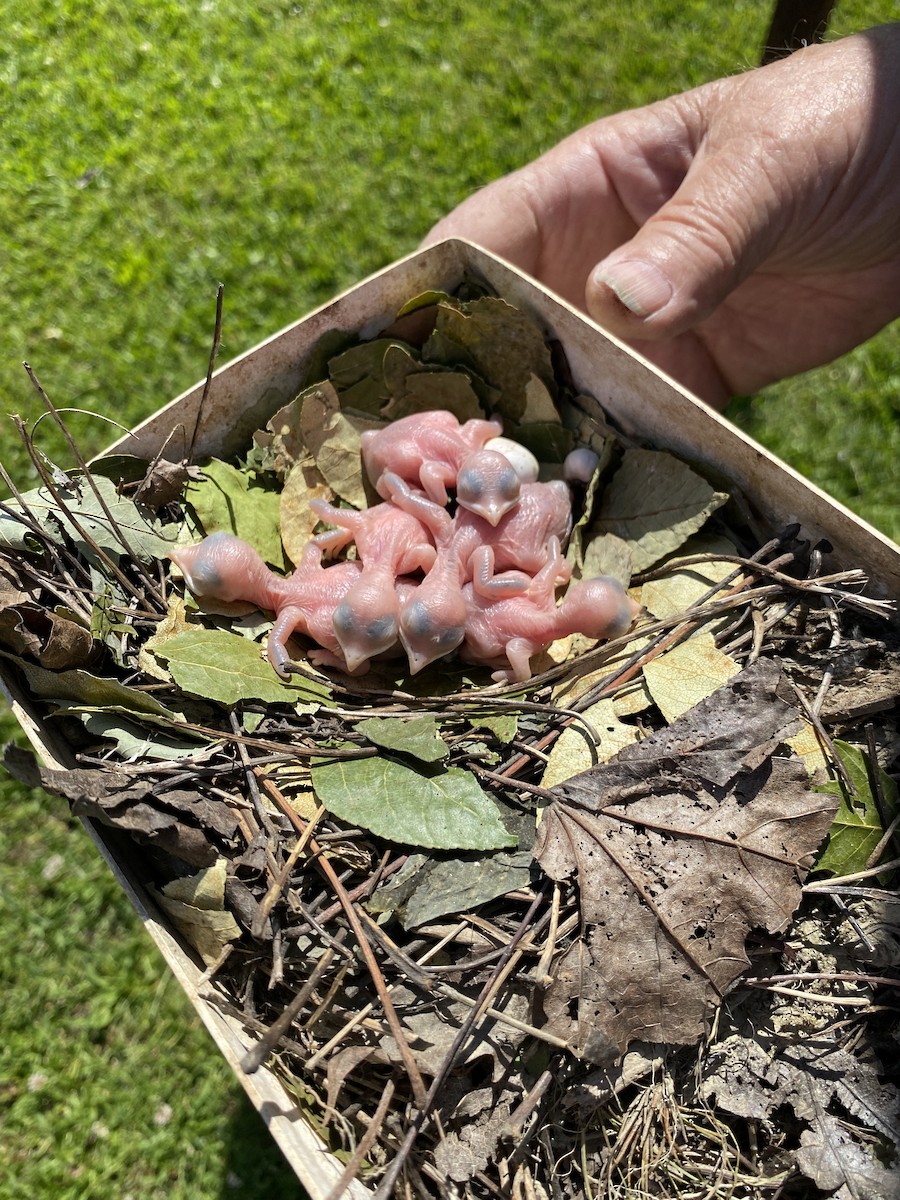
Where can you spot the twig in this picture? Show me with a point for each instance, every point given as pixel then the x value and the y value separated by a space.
pixel 366 1142
pixel 409 1062
pixel 257 1054
pixel 874 773
pixel 814 997
pixel 824 884
pixel 515 1122
pixel 51 487
pixel 79 458
pixel 217 338
pixel 393 1172
pixel 279 883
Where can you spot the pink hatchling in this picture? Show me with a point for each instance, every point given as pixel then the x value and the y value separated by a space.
pixel 505 634
pixel 389 543
pixel 433 613
pixel 519 542
pixel 431 450
pixel 222 567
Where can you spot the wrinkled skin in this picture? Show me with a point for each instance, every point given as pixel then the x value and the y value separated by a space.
pixel 739 233
pixel 506 634
pixel 519 542
pixel 432 617
pixel 426 450
pixel 222 567
pixel 389 543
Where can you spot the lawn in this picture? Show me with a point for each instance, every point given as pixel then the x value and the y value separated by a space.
pixel 286 150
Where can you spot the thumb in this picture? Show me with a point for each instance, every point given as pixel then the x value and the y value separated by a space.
pixel 689 255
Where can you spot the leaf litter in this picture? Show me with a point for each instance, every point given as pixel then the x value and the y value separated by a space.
pixel 609 918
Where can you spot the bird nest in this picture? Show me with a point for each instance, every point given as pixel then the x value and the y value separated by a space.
pixel 625 927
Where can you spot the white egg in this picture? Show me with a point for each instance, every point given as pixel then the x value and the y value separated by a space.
pixel 522 460
pixel 580 465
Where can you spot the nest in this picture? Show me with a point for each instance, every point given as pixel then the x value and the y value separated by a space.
pixel 545 940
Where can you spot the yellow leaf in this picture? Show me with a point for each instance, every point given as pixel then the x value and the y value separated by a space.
pixel 687 674
pixel 304 482
pixel 572 752
pixel 681 587
pixel 806 745
pixel 196 905
pixel 333 439
pixel 174 622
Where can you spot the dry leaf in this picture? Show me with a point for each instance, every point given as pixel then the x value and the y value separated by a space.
pixel 196 904
pixel 540 406
pixel 174 622
pixel 606 554
pixel 572 752
pixel 505 345
pixel 681 845
pixel 304 482
pixel 745 1078
pixel 333 439
pixel 687 674
pixel 682 586
pixel 655 502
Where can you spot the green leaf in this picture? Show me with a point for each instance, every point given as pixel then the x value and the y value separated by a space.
pixel 417 736
pixel 424 391
pixel 81 687
pixel 227 499
pixel 133 740
pixel 687 674
pixel 655 502
pixel 607 554
pixel 856 829
pixel 504 726
pixel 426 888
pixel 422 300
pixel 365 361
pixel 448 811
pixel 548 441
pixel 217 665
pixel 85 517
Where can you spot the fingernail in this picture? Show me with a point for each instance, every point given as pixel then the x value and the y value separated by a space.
pixel 640 286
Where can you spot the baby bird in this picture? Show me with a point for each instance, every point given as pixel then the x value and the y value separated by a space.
pixel 506 634
pixel 425 449
pixel 389 543
pixel 519 542
pixel 433 614
pixel 222 567
pixel 487 485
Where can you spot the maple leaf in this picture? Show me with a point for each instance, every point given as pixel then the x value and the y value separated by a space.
pixel 681 845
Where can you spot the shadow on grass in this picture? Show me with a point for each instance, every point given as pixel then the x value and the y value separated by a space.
pixel 254 1167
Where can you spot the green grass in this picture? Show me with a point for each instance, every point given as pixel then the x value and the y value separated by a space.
pixel 287 150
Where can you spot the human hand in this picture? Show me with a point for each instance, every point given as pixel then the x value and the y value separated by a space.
pixel 738 233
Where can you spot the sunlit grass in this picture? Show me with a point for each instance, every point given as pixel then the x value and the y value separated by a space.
pixel 287 150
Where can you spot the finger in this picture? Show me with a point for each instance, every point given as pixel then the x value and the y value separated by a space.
pixel 718 227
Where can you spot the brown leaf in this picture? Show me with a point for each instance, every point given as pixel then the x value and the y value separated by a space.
pixel 333 439
pixel 177 821
pixel 52 638
pixel 681 845
pixel 426 390
pixel 304 482
pixel 505 345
